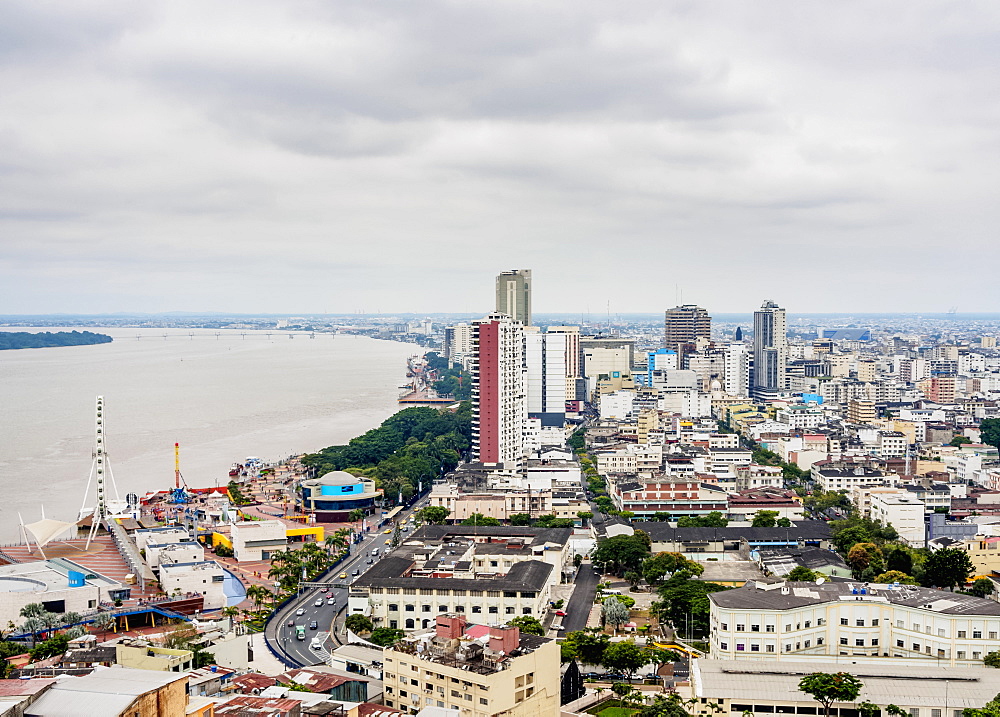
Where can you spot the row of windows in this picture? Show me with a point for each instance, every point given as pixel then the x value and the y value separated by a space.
pixel 860 622
pixel 455 593
pixel 492 609
pixel 843 712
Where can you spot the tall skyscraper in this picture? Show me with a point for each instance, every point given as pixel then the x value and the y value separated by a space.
pixel 545 372
pixel 770 350
pixel 499 410
pixel 574 367
pixel 683 326
pixel 514 295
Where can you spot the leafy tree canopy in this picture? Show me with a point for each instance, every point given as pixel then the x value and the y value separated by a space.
pixel 802 574
pixel 947 568
pixel 827 688
pixel 528 624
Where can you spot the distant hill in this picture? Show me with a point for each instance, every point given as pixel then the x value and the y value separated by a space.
pixel 25 340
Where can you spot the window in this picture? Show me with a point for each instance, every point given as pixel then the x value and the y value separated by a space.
pixel 859 623
pixel 808 623
pixel 859 643
pixel 874 622
pixel 819 640
pixel 977 655
pixel 993 636
pixel 725 626
pixel 821 621
pixel 960 654
pixel 899 643
pixel 916 647
pixel 788 628
pixel 477 608
pixel 808 643
pixel 768 628
pixel 754 648
pixel 723 645
pixel 425 608
pixel 977 634
pixel 740 628
pixel 483 701
pixel 740 647
pixel 899 623
pixel 393 607
pixel 961 634
pixel 508 611
pixel 769 648
pixel 492 593
pixel 526 610
pixel 493 610
pixel 874 642
pixel 442 608
pixel 410 608
pixel 843 621
pixel 460 608
pixel 788 648
pixel 755 628
pixel 914 712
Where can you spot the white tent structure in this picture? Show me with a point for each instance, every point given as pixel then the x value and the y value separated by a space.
pixel 44 531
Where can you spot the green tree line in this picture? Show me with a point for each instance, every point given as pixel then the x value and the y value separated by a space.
pixel 46 339
pixel 415 444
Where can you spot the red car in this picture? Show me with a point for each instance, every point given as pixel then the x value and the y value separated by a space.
pixel 561 613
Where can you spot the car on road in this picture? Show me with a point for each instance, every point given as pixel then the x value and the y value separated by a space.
pixel 291 623
pixel 315 644
pixel 313 625
pixel 319 602
pixel 387 542
pixel 356 573
pixel 371 560
pixel 331 601
pixel 300 611
pixel 343 575
pixel 557 627
pixel 561 613
pixel 387 531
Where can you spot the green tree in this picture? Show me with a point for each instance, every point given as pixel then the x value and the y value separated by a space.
pixel 714 519
pixel 633 578
pixel 990 431
pixel 621 553
pixel 385 636
pixel 959 441
pixel 947 568
pixel 894 576
pixel 358 623
pixel 764 519
pixel 656 567
pixel 982 587
pixel 802 574
pixel 528 624
pixel 783 523
pixel 625 657
pixel 671 705
pixel 434 514
pixel 520 519
pixel 480 519
pixel 586 646
pixel 585 516
pixel 614 612
pixel 865 556
pixel 685 604
pixel 992 659
pixel 827 688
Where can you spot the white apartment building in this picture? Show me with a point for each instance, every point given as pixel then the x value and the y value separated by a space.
pixel 849 478
pixel 257 539
pixel 864 623
pixel 891 444
pixel 755 476
pixel 545 376
pixel 737 378
pixel 617 405
pixel 485 573
pixel 206 577
pixel 903 512
pixel 807 416
pixel 186 552
pixel 631 459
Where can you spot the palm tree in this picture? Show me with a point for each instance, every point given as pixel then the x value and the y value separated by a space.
pixel 34 625
pixel 356 515
pixel 331 542
pixel 258 594
pixel 105 621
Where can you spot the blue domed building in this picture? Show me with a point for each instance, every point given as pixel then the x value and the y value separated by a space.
pixel 333 496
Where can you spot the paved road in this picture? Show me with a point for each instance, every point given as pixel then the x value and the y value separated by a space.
pixel 282 637
pixel 578 609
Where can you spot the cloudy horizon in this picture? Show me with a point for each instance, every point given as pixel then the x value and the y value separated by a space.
pixel 307 157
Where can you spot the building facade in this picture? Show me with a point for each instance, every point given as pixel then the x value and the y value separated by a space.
pixel 514 295
pixel 499 409
pixel 770 349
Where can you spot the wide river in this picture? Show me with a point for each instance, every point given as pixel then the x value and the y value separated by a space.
pixel 223 395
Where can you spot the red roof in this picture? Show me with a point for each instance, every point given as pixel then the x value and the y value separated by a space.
pixel 23 688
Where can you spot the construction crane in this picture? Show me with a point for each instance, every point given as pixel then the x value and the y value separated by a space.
pixel 179 493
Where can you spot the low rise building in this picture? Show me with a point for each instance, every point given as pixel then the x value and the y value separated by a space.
pixel 735 687
pixel 116 691
pixel 255 540
pixel 903 512
pixel 777 620
pixel 206 577
pixel 140 654
pixel 60 585
pixel 478 670
pixel 493 572
pixel 332 496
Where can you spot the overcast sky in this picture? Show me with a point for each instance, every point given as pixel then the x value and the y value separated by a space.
pixel 337 156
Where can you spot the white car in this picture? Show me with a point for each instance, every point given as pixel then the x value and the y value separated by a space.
pixel 315 644
pixel 300 611
pixel 331 601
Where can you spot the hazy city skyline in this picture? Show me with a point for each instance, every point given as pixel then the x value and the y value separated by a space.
pixel 311 158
